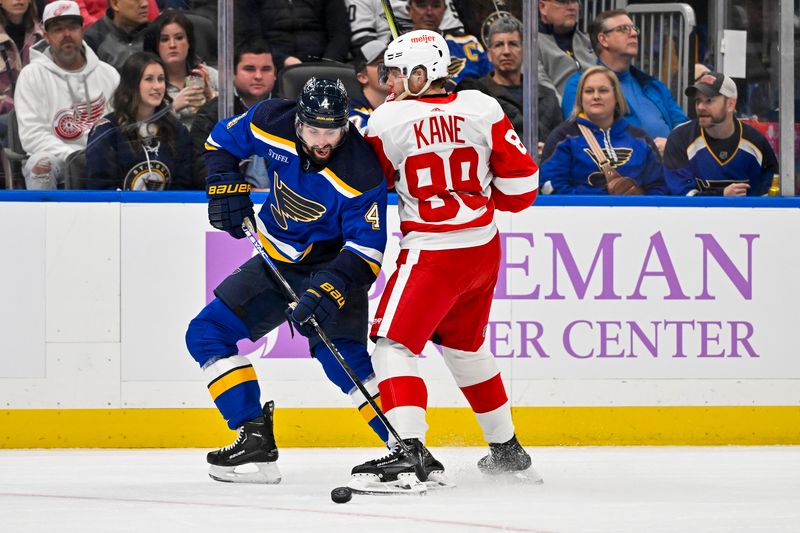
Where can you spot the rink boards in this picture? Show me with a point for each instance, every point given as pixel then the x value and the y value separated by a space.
pixel 652 322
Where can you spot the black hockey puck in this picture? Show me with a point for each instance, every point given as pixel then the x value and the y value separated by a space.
pixel 341 495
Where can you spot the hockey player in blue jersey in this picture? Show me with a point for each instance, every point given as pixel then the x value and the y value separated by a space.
pixel 717 154
pixel 323 224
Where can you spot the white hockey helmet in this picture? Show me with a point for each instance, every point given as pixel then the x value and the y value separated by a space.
pixel 419 48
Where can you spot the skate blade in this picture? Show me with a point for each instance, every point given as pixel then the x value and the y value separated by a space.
pixel 525 477
pixel 438 480
pixel 266 473
pixel 406 484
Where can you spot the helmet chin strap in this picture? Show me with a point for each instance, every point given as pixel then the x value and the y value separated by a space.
pixel 407 92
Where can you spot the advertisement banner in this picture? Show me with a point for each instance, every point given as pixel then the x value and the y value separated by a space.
pixel 617 293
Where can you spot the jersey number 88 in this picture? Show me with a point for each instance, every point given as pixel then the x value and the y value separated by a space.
pixel 437 201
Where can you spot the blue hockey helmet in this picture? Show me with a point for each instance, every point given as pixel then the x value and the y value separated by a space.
pixel 323 103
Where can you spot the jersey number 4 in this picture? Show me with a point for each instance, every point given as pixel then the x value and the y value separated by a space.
pixel 427 181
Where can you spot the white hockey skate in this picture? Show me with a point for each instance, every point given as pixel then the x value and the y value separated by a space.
pixel 395 473
pixel 252 456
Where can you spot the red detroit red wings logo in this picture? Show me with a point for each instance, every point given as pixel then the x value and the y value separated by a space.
pixel 71 123
pixel 61 10
pixel 709 79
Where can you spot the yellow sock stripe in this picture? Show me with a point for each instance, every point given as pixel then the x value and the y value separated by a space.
pixel 230 379
pixel 367 411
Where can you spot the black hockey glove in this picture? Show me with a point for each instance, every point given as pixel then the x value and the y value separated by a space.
pixel 323 299
pixel 228 205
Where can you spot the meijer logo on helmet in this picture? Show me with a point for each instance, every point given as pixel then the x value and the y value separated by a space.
pixel 423 39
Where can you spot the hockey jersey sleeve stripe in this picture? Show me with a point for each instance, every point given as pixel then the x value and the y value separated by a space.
pixel 282 251
pixel 515 186
pixel 372 257
pixel 278 250
pixel 273 140
pixel 211 144
pixel 338 184
pixel 695 146
pixel 752 149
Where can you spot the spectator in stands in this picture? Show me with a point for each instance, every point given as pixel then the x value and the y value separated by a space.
pixel 652 107
pixel 120 33
pixel 373 92
pixel 717 154
pixel 203 16
pixel 296 31
pixel 368 22
pixel 141 146
pixel 60 94
pixel 504 38
pixel 467 57
pixel 19 30
pixel 94 10
pixel 171 37
pixel 574 157
pixel 563 48
pixel 254 78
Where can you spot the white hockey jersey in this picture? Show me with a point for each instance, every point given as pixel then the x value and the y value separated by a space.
pixel 452 159
pixel 368 21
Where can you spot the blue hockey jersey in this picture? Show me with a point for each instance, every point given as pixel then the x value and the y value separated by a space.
pixel 692 167
pixel 360 111
pixel 572 168
pixel 311 212
pixel 468 59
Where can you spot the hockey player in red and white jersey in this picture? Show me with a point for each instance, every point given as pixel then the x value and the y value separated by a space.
pixel 453 159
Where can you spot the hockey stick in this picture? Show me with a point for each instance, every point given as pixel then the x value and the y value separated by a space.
pixel 250 233
pixel 389 12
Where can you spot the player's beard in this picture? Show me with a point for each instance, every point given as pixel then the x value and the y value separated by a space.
pixel 311 151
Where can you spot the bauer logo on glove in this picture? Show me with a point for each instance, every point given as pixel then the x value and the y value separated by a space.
pixel 322 300
pixel 228 189
pixel 334 293
pixel 228 205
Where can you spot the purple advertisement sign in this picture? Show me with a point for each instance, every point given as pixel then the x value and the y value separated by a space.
pixel 223 256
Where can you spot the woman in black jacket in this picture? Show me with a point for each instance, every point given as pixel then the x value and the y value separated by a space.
pixel 141 145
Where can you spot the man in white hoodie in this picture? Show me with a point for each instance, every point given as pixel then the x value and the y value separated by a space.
pixel 60 94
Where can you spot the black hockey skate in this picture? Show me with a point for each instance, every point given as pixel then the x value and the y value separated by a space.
pixel 396 473
pixel 254 450
pixel 509 458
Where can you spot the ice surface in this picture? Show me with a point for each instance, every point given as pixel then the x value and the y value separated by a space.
pixel 586 489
